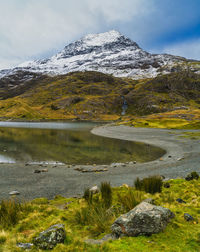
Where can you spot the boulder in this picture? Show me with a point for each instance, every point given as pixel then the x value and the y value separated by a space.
pixel 94 189
pixel 149 200
pixel 144 219
pixel 49 238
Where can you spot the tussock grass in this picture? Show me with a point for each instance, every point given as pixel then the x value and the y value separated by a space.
pixel 150 185
pixel 106 194
pixel 130 199
pixel 10 211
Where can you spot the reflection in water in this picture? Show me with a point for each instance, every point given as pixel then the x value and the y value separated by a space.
pixel 71 143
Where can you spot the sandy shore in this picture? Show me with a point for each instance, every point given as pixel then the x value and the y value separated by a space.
pixel 182 157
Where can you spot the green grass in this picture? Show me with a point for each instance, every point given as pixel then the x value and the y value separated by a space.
pixel 179 235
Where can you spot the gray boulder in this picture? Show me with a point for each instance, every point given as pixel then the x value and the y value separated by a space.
pixel 50 237
pixel 144 219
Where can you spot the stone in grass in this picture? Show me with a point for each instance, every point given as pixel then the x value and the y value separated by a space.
pixel 94 189
pixel 180 200
pixel 144 219
pixel 13 193
pixel 49 238
pixel 188 217
pixel 192 175
pixel 25 245
pixel 166 185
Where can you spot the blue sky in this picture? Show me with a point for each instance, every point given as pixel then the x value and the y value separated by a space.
pixel 33 29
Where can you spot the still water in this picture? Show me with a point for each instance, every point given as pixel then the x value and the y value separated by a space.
pixel 67 142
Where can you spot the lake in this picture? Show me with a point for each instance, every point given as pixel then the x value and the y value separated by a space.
pixel 67 142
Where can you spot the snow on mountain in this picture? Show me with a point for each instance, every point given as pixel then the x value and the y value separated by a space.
pixel 108 52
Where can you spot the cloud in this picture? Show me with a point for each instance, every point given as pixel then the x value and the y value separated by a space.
pixel 188 49
pixel 30 29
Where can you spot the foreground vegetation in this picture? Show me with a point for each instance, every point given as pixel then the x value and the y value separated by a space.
pixel 92 216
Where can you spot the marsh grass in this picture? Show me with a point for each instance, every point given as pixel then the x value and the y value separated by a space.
pixel 96 216
pixel 149 185
pixel 88 195
pixel 106 194
pixel 130 199
pixel 10 211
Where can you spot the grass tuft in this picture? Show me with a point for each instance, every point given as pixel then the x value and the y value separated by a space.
pixel 130 199
pixel 150 185
pixel 106 194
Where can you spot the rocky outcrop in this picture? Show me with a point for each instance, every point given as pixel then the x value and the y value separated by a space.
pixel 49 238
pixel 144 219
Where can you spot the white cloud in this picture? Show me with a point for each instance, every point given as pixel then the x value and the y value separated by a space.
pixel 30 28
pixel 189 49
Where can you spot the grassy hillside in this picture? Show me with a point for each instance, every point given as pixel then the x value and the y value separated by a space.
pixel 82 223
pixel 97 96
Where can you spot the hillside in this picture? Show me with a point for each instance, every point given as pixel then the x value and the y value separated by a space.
pixel 98 96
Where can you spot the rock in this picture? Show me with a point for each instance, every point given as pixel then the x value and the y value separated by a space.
pixel 125 185
pixel 49 238
pixel 44 170
pixel 116 164
pixel 132 162
pixel 188 217
pixel 191 176
pixel 166 185
pixel 94 189
pixel 180 200
pixel 37 171
pixel 25 245
pixel 107 237
pixel 14 193
pixel 144 219
pixel 149 200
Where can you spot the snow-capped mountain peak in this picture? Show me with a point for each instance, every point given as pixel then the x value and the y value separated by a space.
pixel 101 38
pixel 108 52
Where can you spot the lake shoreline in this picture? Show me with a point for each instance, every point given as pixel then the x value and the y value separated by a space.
pixel 182 156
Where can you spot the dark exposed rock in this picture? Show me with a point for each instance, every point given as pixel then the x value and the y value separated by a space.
pixel 49 238
pixel 166 185
pixel 188 217
pixel 144 219
pixel 180 200
pixel 191 176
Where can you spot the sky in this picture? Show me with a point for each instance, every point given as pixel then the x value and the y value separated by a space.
pixel 35 29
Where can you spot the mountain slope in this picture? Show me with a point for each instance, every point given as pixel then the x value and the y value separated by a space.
pixel 98 96
pixel 110 53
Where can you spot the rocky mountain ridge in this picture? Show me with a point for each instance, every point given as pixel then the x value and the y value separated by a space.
pixel 108 52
